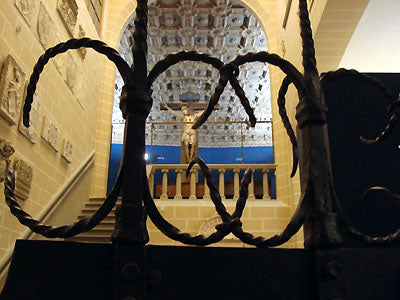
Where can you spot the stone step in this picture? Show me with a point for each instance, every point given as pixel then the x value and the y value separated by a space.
pixel 100 201
pixel 90 211
pixel 110 217
pixel 90 238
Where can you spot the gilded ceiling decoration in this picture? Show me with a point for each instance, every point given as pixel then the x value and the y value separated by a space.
pixel 223 29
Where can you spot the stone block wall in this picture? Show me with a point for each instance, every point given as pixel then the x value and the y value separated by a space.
pixel 68 93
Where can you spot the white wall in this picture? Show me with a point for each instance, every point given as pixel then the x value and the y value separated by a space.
pixel 375 44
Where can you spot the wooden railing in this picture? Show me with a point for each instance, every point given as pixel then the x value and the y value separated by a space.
pixel 190 188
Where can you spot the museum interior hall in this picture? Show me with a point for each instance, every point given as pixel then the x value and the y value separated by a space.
pixel 69 159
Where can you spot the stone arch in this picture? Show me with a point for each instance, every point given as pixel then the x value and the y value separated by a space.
pixel 261 8
pixel 117 14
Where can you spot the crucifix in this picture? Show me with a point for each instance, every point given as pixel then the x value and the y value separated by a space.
pixel 190 140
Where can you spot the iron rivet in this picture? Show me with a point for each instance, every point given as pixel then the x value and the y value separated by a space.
pixel 332 269
pixel 130 272
pixel 155 278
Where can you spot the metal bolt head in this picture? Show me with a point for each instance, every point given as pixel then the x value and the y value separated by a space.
pixel 130 272
pixel 332 269
pixel 155 278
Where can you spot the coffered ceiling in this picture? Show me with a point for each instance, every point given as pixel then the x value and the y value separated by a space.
pixel 223 29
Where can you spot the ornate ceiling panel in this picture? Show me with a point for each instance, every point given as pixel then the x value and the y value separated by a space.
pixel 223 29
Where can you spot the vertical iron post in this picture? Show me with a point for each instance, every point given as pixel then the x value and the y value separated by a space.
pixel 321 230
pixel 130 235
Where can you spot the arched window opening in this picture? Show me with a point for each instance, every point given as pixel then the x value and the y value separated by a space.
pixel 222 29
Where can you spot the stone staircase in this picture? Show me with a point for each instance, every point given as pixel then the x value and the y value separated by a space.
pixel 102 232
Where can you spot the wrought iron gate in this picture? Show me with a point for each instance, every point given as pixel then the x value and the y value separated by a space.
pixel 322 271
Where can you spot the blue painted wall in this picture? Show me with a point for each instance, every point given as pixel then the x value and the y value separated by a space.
pixel 171 155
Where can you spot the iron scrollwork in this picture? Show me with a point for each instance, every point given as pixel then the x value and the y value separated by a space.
pixel 318 209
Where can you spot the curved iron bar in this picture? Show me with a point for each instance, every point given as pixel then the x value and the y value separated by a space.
pixel 172 59
pixel 66 231
pixel 393 120
pixel 88 223
pixel 365 238
pixel 382 89
pixel 227 71
pixel 286 123
pixel 231 223
pixel 331 76
pixel 394 196
pixel 173 232
pixel 291 229
pixel 96 45
pixel 377 85
pixel 235 226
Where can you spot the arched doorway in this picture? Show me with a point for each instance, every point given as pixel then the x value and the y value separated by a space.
pixel 223 29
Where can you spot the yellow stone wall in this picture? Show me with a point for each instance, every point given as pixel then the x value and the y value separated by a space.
pixel 261 218
pixel 74 114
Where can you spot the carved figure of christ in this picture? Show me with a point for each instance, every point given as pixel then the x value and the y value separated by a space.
pixel 189 135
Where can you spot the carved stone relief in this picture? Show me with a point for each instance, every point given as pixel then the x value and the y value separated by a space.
pixel 23 178
pixel 50 133
pixel 71 72
pixel 11 90
pixel 67 151
pixel 6 150
pixel 45 27
pixel 283 48
pixel 68 10
pixel 26 8
pixel 208 227
pixel 31 133
pixel 59 60
pixel 82 34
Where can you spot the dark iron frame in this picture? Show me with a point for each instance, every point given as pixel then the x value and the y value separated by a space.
pixel 318 209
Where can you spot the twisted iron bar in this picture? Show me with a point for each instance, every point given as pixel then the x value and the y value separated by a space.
pixel 87 223
pixel 286 123
pixel 393 104
pixel 392 109
pixel 199 240
pixel 96 45
pixel 230 223
pixel 394 196
pixel 66 231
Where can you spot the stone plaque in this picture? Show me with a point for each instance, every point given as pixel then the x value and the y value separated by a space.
pixel 31 133
pixel 68 10
pixel 59 60
pixel 11 90
pixel 82 34
pixel 67 150
pixel 50 133
pixel 23 179
pixel 45 27
pixel 26 8
pixel 208 227
pixel 70 78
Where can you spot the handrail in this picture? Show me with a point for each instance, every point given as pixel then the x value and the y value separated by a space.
pixel 68 185
pixel 216 166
